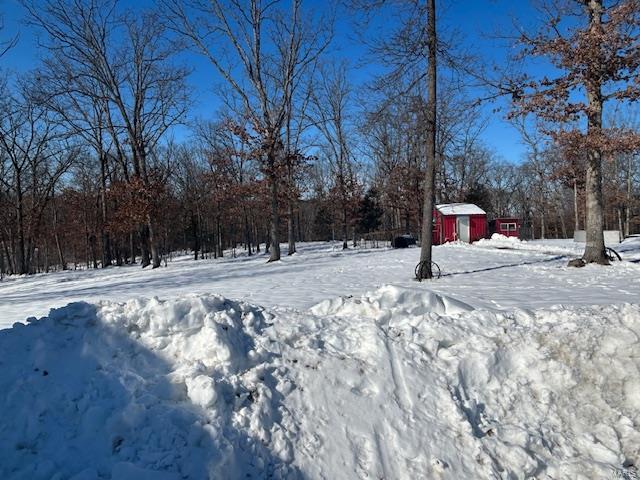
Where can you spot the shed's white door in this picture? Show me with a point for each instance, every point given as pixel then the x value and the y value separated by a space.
pixel 462 227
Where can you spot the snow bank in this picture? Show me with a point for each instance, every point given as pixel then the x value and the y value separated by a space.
pixel 391 301
pixel 548 247
pixel 137 390
pixel 477 394
pixel 498 239
pixel 400 383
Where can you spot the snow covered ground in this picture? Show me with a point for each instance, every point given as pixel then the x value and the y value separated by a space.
pixel 528 274
pixel 329 365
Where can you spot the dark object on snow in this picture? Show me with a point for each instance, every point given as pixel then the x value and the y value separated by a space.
pixel 612 255
pixel 576 262
pixel 424 271
pixel 403 241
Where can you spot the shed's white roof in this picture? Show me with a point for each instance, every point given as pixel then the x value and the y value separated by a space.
pixel 460 209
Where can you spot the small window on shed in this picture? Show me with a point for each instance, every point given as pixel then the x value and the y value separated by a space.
pixel 508 227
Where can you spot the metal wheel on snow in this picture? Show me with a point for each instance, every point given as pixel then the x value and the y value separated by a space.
pixel 612 255
pixel 426 270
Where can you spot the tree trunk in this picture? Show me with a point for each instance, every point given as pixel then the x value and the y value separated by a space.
pixel 156 258
pixel 627 209
pixel 56 235
pixel 118 253
pixel 10 266
pixel 87 246
pixel 144 245
pixel 575 206
pixel 196 237
pixel 220 242
pixel 132 248
pixel 429 180
pixel 620 226
pixel 46 255
pixel 274 255
pixel 247 233
pixel 594 251
pixel 291 233
pixel 215 238
pixel 2 268
pixel 104 234
pixel 345 227
pixel 94 255
pixel 20 253
pixel 561 220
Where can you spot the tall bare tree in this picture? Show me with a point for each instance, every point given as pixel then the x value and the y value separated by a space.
pixel 410 53
pixel 124 63
pixel 331 99
pixel 429 180
pixel 261 50
pixel 33 157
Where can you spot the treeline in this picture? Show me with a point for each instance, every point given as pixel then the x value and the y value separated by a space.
pixel 91 173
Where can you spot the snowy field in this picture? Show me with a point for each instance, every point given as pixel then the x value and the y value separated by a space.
pixel 493 274
pixel 327 365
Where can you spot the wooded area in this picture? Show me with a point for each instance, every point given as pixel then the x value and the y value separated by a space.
pixel 92 173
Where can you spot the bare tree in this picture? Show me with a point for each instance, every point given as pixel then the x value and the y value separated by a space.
pixel 261 50
pixel 410 52
pixel 429 181
pixel 81 108
pixel 6 45
pixel 123 64
pixel 331 100
pixel 33 158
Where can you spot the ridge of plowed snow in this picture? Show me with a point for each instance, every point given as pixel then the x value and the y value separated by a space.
pixel 142 389
pixel 400 383
pixel 551 393
pixel 392 300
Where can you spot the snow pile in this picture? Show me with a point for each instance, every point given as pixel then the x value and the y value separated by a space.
pixel 547 394
pixel 547 247
pixel 497 239
pixel 391 301
pixel 399 383
pixel 504 238
pixel 145 389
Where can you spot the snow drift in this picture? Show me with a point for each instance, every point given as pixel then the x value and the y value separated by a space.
pixel 399 383
pixel 390 301
pixel 144 389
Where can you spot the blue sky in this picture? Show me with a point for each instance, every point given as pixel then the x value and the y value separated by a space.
pixel 476 21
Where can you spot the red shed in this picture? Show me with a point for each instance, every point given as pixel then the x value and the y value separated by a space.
pixel 507 226
pixel 459 221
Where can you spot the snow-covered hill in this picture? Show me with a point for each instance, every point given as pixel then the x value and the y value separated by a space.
pixel 477 375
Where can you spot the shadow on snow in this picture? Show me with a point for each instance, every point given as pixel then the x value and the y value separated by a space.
pixel 81 396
